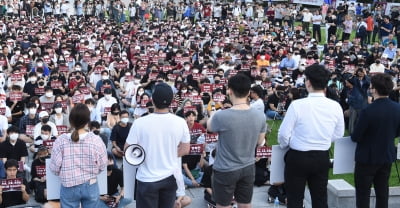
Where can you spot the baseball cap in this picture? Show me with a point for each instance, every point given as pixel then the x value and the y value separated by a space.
pixel 43 114
pixel 162 96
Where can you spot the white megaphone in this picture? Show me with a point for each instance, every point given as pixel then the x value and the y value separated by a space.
pixel 135 154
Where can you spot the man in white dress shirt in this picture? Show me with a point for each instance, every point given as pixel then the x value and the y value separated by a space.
pixel 308 129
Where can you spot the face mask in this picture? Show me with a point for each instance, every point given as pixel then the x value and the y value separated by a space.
pixel 125 120
pixel 195 71
pixel 108 97
pixel 110 167
pixel 184 91
pixel 136 81
pixel 14 137
pixel 45 120
pixel 17 53
pixel 39 64
pixel 32 111
pixel 31 53
pixel 273 65
pixel 187 68
pixel 104 77
pixel 195 93
pixel 77 68
pixel 97 52
pixel 33 79
pixel 124 58
pixel 140 93
pixel 49 94
pixel 40 75
pixel 44 137
pixel 262 57
pixel 258 82
pixel 58 110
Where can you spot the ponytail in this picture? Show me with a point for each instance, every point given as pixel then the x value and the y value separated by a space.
pixel 75 136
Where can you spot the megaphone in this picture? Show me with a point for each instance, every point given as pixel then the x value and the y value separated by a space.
pixel 135 154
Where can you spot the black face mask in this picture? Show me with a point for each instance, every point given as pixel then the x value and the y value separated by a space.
pixel 54 77
pixel 41 83
pixel 97 132
pixel 151 110
pixel 216 81
pixel 110 167
pixel 45 120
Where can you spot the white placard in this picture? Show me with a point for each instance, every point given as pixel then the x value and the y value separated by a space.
pixel 344 156
pixel 129 179
pixel 309 2
pixel 277 164
pixel 53 183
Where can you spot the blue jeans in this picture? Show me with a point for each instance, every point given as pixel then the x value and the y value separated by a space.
pixel 189 182
pixel 85 194
pixel 158 194
pixel 274 115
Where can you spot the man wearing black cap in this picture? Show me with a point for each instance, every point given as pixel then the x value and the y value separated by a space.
pixel 163 145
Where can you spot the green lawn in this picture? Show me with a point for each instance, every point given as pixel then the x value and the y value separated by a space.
pixel 272 140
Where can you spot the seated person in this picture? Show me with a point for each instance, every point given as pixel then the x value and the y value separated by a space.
pixel 13 147
pixel 206 181
pixel 39 141
pixel 275 106
pixel 119 134
pixel 44 120
pixel 181 199
pixel 17 197
pixel 114 180
pixel 94 127
pixel 38 173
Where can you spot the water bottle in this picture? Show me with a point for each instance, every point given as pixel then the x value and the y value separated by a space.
pixel 276 202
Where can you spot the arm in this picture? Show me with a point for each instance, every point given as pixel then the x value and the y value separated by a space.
pixel 183 149
pixel 261 139
pixel 285 130
pixel 25 195
pixel 360 128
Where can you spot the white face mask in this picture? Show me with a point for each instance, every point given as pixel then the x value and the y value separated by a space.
pixel 125 120
pixel 140 93
pixel 33 79
pixel 17 53
pixel 37 105
pixel 187 68
pixel 49 94
pixel 14 137
pixel 273 65
pixel 97 52
pixel 44 137
pixel 195 71
pixel 258 82
pixel 32 111
pixel 58 110
pixel 262 57
pixel 40 64
pixel 184 91
pixel 77 68
pixel 108 97
pixel 137 81
pixel 30 53
pixel 104 77
pixel 40 75
pixel 124 58
pixel 195 93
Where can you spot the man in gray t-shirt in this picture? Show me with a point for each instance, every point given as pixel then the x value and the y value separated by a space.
pixel 240 130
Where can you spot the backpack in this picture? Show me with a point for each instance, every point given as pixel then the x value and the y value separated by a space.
pixel 362 31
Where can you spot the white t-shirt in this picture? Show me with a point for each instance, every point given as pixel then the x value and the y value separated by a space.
pixel 307 16
pixel 38 129
pixel 317 19
pixel 3 124
pixel 159 135
pixel 104 103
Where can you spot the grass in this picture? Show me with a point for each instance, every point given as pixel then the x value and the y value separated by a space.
pixel 272 139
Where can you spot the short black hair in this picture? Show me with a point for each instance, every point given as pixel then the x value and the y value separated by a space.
pixel 46 128
pixel 94 124
pixel 12 129
pixel 382 83
pixel 258 90
pixel 123 112
pixel 11 163
pixel 240 85
pixel 189 113
pixel 318 76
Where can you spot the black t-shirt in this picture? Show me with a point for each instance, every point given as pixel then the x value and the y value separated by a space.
pixel 116 178
pixel 13 198
pixel 206 180
pixel 273 99
pixel 19 107
pixel 36 163
pixel 119 134
pixel 9 151
pixel 191 161
pixel 29 88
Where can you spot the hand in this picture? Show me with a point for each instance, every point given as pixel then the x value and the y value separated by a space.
pixel 117 198
pixel 23 188
pixel 195 184
pixel 104 198
pixel 178 204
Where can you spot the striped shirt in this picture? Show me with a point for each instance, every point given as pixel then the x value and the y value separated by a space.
pixel 78 162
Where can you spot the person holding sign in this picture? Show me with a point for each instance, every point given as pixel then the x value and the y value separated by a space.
pixel 38 173
pixel 78 158
pixel 375 131
pixel 163 145
pixel 13 190
pixel 240 129
pixel 308 135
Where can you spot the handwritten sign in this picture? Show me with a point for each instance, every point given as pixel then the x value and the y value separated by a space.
pixel 78 98
pixel 15 96
pixel 55 84
pixel 263 152
pixel 62 129
pixel 196 149
pixel 39 91
pixel 30 129
pixel 11 184
pixel 41 170
pixel 211 138
pixel 196 99
pixel 48 143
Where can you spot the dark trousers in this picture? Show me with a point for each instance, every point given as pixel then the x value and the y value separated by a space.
pixel 309 167
pixel 159 194
pixel 306 26
pixel 317 32
pixel 345 36
pixel 364 176
pixel 369 38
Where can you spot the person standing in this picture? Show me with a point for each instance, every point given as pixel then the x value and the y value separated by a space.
pixel 240 129
pixel 317 20
pixel 376 129
pixel 308 135
pixel 156 184
pixel 77 159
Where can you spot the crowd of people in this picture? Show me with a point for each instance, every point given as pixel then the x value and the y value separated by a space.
pixel 110 56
